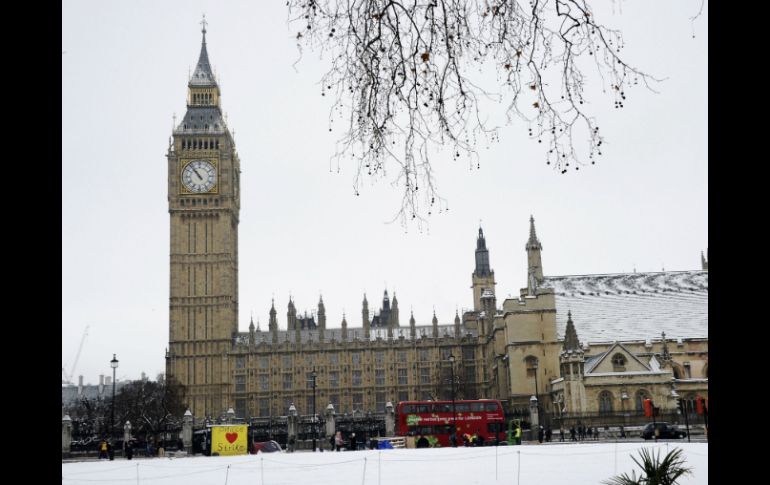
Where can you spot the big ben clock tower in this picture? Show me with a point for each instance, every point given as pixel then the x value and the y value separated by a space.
pixel 204 205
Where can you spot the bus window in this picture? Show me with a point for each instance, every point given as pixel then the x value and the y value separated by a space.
pixel 407 408
pixel 462 407
pixel 423 408
pixel 494 427
pixel 442 408
pixel 442 429
pixel 477 407
pixel 491 406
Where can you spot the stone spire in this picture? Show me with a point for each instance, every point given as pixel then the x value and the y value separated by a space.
pixel 435 324
pixel 203 75
pixel 482 256
pixel 704 262
pixel 483 277
pixel 571 341
pixel 534 262
pixel 457 324
pixel 412 328
pixel 272 325
pixel 394 312
pixel 251 331
pixel 365 317
pixel 321 319
pixel 344 329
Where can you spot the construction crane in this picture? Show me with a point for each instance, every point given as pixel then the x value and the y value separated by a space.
pixel 67 377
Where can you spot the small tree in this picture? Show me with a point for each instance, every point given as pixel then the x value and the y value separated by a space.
pixel 654 470
pixel 151 406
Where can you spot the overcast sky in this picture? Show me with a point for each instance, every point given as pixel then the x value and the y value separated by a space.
pixel 303 231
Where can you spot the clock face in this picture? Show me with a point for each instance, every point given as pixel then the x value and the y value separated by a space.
pixel 199 176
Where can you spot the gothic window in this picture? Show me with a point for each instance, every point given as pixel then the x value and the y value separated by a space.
pixel 334 359
pixel 334 400
pixel 380 402
pixel 263 362
pixel 334 379
pixel 677 372
pixel 264 407
pixel 240 408
pixel 379 357
pixel 286 361
pixel 641 395
pixel 309 379
pixel 532 363
pixel 401 356
pixel 403 396
pixel 356 377
pixel 240 362
pixel 618 363
pixel 287 380
pixel 240 383
pixel 470 374
pixel 424 355
pixel 355 358
pixel 445 353
pixel 424 375
pixel 264 382
pixel 358 400
pixel 687 370
pixel 605 402
pixel 379 377
pixel 403 378
pixel 469 353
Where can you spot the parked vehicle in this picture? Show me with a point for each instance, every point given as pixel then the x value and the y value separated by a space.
pixel 266 447
pixel 662 430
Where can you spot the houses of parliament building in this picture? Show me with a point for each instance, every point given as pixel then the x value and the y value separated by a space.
pixel 585 343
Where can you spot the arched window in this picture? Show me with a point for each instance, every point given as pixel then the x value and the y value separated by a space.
pixel 605 402
pixel 641 395
pixel 677 371
pixel 618 363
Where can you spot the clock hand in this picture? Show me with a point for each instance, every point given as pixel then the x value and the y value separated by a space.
pixel 198 174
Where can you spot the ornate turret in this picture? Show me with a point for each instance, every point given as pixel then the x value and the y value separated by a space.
pixel 483 278
pixel 365 317
pixel 572 358
pixel 665 355
pixel 534 262
pixel 704 262
pixel 321 319
pixel 435 324
pixel 412 328
pixel 457 324
pixel 344 329
pixel 394 312
pixel 291 317
pixel 272 325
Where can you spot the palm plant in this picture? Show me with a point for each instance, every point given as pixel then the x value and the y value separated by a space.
pixel 654 470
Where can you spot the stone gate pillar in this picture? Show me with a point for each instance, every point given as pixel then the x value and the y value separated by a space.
pixel 66 435
pixel 390 420
pixel 292 425
pixel 187 431
pixel 331 425
pixel 534 417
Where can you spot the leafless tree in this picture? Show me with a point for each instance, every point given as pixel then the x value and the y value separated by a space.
pixel 403 77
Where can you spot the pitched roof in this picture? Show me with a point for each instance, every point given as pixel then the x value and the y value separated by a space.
pixel 629 306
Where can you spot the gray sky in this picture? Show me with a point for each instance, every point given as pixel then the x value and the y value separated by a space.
pixel 303 232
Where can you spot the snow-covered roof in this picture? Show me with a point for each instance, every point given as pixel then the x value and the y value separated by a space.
pixel 629 306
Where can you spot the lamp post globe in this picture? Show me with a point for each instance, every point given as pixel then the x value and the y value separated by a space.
pixel 114 365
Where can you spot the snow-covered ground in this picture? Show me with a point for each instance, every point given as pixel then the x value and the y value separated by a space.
pixel 571 464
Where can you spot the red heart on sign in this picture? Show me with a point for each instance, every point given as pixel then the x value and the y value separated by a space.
pixel 231 437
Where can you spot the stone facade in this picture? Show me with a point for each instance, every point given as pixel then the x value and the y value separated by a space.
pixel 510 352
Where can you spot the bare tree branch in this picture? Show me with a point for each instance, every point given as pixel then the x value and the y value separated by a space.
pixel 402 75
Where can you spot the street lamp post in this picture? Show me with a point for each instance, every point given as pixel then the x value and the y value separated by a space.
pixel 315 427
pixel 535 366
pixel 114 365
pixel 454 414
pixel 682 408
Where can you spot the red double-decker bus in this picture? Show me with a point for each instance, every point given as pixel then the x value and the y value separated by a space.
pixel 436 420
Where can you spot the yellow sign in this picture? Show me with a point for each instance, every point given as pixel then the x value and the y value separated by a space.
pixel 229 440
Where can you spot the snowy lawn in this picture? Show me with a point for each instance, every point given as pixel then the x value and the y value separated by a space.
pixel 571 464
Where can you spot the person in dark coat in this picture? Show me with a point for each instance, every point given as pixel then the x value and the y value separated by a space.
pixel 110 451
pixel 548 434
pixel 540 434
pixel 572 436
pixel 561 433
pixel 353 443
pixel 129 450
pixel 422 442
